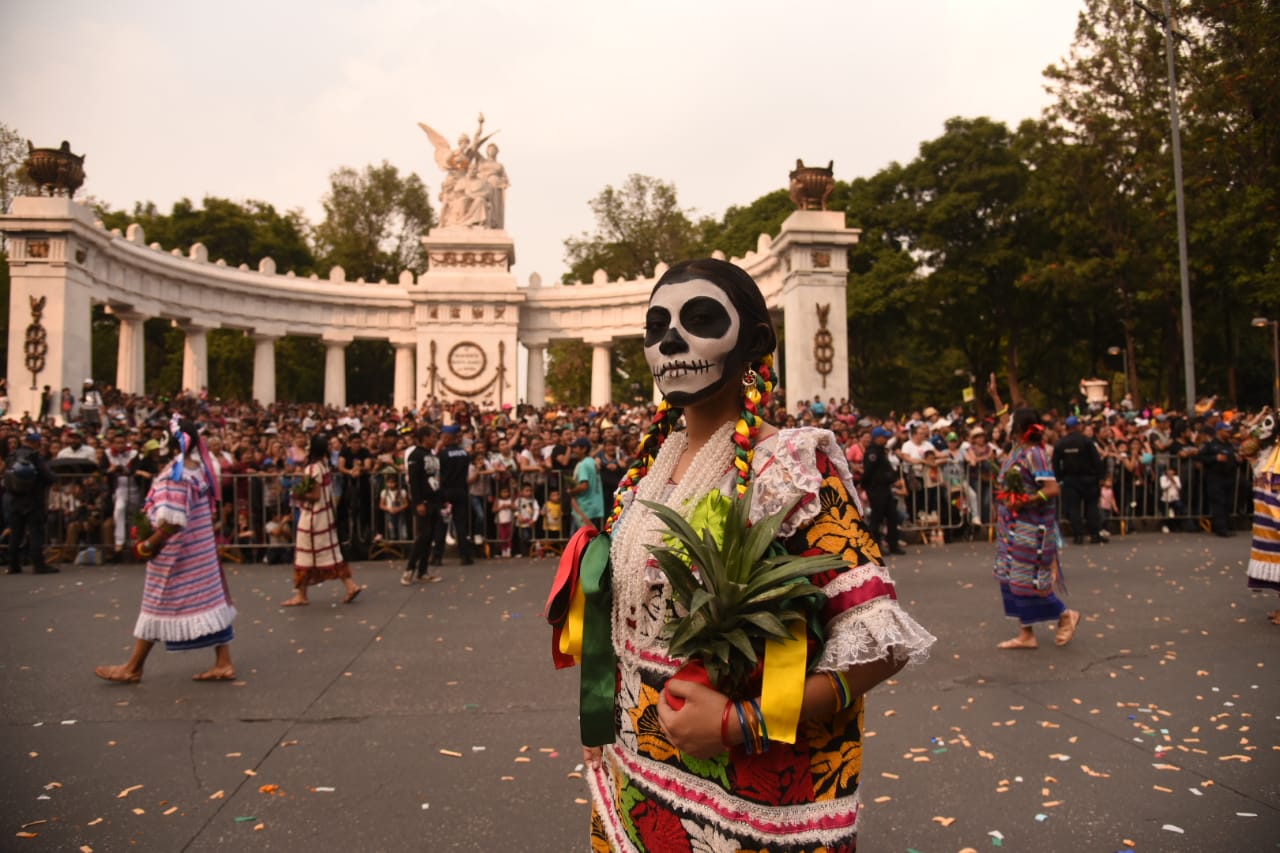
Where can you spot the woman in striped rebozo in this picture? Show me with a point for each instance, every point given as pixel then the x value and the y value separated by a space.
pixel 185 600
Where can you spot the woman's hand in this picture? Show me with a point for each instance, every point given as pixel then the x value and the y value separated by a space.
pixel 695 728
pixel 591 756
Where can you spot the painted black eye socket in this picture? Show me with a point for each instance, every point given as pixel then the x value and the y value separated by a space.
pixel 705 317
pixel 656 322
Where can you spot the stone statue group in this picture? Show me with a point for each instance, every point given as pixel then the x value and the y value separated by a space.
pixel 474 188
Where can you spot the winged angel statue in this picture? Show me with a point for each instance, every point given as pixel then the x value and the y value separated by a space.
pixel 473 193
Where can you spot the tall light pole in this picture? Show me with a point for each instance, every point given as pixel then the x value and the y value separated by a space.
pixel 1188 348
pixel 1262 323
pixel 1124 365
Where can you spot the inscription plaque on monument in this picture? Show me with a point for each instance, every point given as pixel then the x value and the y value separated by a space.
pixel 467 360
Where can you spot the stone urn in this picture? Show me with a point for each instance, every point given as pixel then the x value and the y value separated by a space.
pixel 55 170
pixel 1095 391
pixel 811 185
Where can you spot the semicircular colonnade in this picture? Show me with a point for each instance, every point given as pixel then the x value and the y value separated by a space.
pixel 456 330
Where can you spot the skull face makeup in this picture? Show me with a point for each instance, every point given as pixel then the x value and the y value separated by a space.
pixel 691 333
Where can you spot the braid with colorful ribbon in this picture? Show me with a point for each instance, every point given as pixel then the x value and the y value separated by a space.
pixel 650 443
pixel 757 388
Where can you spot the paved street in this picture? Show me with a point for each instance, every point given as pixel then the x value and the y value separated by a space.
pixel 429 717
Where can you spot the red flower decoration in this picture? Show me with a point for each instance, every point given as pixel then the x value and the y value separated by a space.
pixel 659 829
pixel 779 777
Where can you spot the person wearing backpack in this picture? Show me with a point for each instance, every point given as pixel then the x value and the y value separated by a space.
pixel 27 479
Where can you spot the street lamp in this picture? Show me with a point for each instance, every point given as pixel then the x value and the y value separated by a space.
pixel 1124 364
pixel 1262 323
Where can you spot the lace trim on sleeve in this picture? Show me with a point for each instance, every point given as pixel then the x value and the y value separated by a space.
pixel 872 631
pixel 791 472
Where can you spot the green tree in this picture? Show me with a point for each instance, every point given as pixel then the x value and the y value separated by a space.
pixel 13 178
pixel 13 182
pixel 229 351
pixel 638 226
pixel 299 369
pixel 967 187
pixel 739 230
pixel 1230 65
pixel 374 221
pixel 568 373
pixel 239 233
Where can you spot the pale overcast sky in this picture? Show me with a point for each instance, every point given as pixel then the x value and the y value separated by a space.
pixel 263 100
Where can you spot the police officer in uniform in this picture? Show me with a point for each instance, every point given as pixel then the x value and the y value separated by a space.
pixel 26 504
pixel 425 499
pixel 879 477
pixel 1077 465
pixel 455 463
pixel 1221 463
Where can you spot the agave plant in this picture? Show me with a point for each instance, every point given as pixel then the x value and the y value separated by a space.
pixel 736 585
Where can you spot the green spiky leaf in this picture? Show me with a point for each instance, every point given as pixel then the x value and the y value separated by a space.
pixel 734 585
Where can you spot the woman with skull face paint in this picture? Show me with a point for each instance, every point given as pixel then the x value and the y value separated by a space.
pixel 681 779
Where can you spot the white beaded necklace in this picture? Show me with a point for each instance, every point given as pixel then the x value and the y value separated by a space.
pixel 638 529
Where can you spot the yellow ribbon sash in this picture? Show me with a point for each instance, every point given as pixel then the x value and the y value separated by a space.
pixel 782 693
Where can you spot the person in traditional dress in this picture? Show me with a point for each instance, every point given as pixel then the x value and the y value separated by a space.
pixel 1264 556
pixel 687 778
pixel 185 599
pixel 317 556
pixel 1027 537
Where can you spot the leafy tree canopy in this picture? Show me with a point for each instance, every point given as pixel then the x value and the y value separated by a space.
pixel 374 221
pixel 638 226
pixel 239 233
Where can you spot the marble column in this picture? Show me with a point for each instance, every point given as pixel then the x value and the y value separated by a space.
pixel 402 393
pixel 195 358
pixel 264 368
pixel 131 372
pixel 601 374
pixel 535 392
pixel 335 372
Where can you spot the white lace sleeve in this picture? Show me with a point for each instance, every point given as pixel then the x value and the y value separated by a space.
pixel 788 472
pixel 875 628
pixel 868 623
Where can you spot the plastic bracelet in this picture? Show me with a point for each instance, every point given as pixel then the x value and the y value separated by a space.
pixel 1040 494
pixel 764 730
pixel 143 550
pixel 848 693
pixel 746 733
pixel 753 727
pixel 835 688
pixel 724 724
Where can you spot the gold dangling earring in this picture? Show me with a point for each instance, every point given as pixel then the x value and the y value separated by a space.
pixel 749 378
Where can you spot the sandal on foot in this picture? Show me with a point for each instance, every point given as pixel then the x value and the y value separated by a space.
pixel 1067 631
pixel 1018 643
pixel 213 675
pixel 351 596
pixel 112 673
pixel 295 602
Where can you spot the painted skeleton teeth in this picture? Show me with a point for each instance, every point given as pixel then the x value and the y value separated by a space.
pixel 676 370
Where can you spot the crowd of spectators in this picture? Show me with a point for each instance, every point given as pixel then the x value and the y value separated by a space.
pixel 525 484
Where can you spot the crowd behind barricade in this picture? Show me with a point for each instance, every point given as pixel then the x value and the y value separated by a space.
pixel 534 474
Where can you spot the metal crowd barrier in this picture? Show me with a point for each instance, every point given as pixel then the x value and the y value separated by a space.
pixel 960 501
pixel 370 526
pixel 956 503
